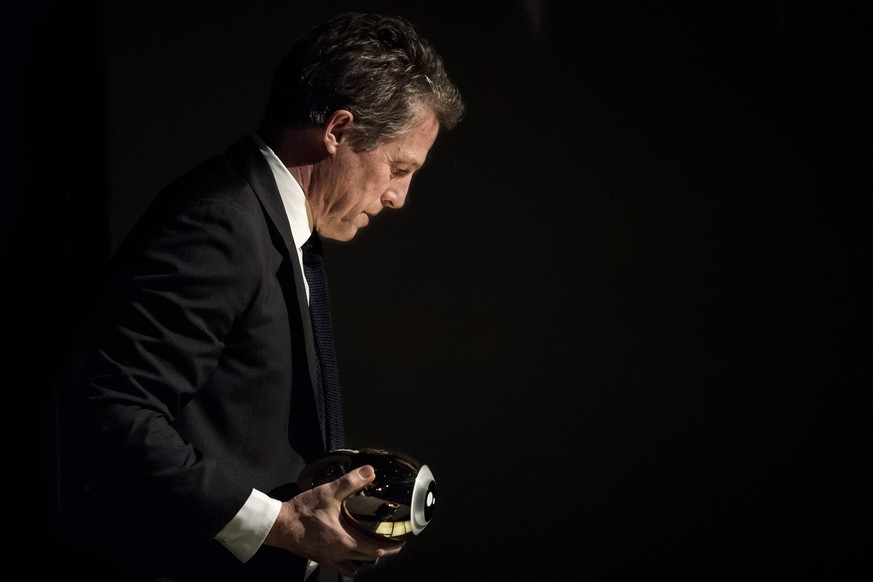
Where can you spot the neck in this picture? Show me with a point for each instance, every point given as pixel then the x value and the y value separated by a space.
pixel 299 149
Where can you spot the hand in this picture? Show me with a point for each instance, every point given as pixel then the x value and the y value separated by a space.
pixel 311 525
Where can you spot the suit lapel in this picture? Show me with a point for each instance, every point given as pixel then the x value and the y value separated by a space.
pixel 247 158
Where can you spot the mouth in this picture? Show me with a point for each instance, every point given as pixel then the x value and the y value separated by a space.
pixel 365 219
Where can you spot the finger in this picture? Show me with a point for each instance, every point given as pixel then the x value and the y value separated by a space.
pixel 369 545
pixel 346 567
pixel 354 481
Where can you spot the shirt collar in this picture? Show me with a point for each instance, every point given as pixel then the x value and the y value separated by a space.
pixel 293 199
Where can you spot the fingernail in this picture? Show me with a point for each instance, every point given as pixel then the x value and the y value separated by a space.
pixel 366 471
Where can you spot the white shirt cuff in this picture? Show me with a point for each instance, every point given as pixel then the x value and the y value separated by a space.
pixel 245 533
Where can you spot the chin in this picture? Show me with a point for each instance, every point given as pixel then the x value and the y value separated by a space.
pixel 345 237
pixel 341 235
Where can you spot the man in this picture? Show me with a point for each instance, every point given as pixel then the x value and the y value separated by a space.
pixel 208 388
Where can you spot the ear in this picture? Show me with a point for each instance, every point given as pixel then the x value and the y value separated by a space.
pixel 336 129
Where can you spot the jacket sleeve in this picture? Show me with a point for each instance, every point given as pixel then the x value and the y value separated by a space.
pixel 179 286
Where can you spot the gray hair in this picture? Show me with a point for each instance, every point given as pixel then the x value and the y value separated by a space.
pixel 374 65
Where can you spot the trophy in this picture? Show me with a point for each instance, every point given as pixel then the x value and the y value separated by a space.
pixel 398 503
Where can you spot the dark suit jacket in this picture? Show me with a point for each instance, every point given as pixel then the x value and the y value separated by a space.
pixel 201 384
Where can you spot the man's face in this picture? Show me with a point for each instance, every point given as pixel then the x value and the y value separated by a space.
pixel 351 187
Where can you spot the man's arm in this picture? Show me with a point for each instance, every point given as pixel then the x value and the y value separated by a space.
pixel 245 533
pixel 311 525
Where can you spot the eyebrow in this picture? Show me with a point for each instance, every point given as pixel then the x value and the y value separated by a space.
pixel 411 161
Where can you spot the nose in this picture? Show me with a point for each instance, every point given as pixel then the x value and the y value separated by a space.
pixel 394 198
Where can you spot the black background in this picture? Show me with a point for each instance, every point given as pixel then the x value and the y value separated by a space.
pixel 617 318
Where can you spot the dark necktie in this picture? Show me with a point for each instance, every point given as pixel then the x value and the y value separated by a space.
pixel 322 328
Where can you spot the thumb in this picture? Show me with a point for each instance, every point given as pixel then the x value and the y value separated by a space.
pixel 354 481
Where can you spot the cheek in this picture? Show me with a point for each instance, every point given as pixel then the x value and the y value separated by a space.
pixel 371 191
pixel 354 203
pixel 362 187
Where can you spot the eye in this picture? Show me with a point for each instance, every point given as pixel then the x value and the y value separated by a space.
pixel 399 172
